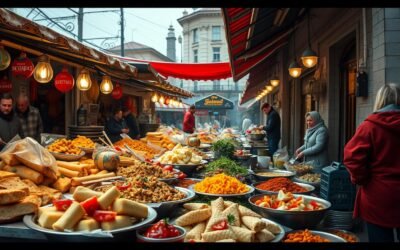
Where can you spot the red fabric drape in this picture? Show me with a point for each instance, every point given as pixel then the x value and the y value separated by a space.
pixel 188 71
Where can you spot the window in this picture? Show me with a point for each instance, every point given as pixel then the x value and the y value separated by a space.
pixel 217 85
pixel 216 54
pixel 216 33
pixel 195 36
pixel 195 56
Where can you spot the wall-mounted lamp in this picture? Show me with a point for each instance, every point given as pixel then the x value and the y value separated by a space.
pixel 161 100
pixel 106 86
pixel 43 72
pixel 83 82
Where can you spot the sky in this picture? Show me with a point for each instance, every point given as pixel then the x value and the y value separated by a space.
pixel 148 26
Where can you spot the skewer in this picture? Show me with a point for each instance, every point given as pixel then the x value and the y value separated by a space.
pixel 103 141
pixel 103 179
pixel 108 139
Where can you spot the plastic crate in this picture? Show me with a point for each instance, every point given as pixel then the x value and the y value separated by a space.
pixel 337 188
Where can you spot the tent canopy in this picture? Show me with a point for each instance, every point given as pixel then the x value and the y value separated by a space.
pixel 214 102
pixel 187 71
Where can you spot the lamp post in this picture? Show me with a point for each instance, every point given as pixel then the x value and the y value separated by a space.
pixel 180 42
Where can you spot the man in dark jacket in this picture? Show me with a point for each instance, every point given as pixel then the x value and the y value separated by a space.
pixel 132 123
pixel 116 125
pixel 273 127
pixel 9 123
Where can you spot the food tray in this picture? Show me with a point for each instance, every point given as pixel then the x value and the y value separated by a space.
pixel 30 221
pixel 310 188
pixel 251 190
pixel 67 157
pixel 328 236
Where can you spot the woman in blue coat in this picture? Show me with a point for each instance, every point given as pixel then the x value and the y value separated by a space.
pixel 315 146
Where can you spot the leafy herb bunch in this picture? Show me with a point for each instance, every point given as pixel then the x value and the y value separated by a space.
pixel 224 148
pixel 226 166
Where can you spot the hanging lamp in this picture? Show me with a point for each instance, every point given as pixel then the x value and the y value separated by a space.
pixel 83 82
pixel 275 79
pixel 294 67
pixel 106 86
pixel 5 58
pixel 309 58
pixel 43 72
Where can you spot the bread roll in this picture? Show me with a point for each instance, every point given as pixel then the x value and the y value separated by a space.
pixel 89 224
pixel 106 199
pixel 48 218
pixel 119 222
pixel 25 173
pixel 131 208
pixel 70 218
pixel 83 193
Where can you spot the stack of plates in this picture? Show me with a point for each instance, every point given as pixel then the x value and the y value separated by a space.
pixel 339 220
pixel 92 132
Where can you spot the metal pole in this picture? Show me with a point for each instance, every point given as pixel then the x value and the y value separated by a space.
pixel 80 25
pixel 122 32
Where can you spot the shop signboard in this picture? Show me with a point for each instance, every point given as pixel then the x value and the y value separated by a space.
pixel 214 102
pixel 22 66
pixel 5 85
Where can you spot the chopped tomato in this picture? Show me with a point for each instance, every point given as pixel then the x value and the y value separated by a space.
pixel 173 231
pixel 118 148
pixel 182 175
pixel 223 224
pixel 123 186
pixel 158 230
pixel 103 216
pixel 168 168
pixel 314 204
pixel 90 205
pixel 62 205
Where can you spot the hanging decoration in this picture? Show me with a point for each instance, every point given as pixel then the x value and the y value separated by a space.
pixel 128 102
pixel 5 58
pixel 64 81
pixel 161 100
pixel 83 82
pixel 22 66
pixel 167 100
pixel 117 92
pixel 106 86
pixel 43 72
pixel 5 85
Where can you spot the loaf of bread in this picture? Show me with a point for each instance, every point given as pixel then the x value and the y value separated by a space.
pixel 9 196
pixel 28 205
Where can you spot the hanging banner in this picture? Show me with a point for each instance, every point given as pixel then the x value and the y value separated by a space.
pixel 214 102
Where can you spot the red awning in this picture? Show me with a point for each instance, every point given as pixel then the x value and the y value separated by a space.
pixel 188 71
pixel 246 49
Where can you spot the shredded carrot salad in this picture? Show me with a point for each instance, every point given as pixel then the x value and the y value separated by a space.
pixel 221 184
pixel 304 236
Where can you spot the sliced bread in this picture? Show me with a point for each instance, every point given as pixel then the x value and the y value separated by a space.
pixel 28 205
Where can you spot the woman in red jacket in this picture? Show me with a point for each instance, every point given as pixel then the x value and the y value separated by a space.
pixel 372 157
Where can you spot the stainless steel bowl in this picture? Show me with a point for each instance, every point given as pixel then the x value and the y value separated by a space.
pixel 337 232
pixel 256 137
pixel 270 174
pixel 293 219
pixel 325 235
pixel 141 238
pixel 309 188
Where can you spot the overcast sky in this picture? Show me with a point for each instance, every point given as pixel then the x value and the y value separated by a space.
pixel 148 26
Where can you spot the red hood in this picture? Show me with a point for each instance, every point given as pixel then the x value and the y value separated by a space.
pixel 389 120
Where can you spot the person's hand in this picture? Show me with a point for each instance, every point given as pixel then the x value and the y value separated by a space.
pixel 300 155
pixel 125 130
pixel 261 127
pixel 297 151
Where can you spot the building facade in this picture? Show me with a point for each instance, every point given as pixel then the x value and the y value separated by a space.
pixel 204 41
pixel 358 51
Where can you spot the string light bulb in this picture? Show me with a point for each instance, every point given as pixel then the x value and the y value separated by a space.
pixel 106 86
pixel 84 82
pixel 43 72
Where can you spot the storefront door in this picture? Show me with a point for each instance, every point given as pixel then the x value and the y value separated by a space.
pixel 347 98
